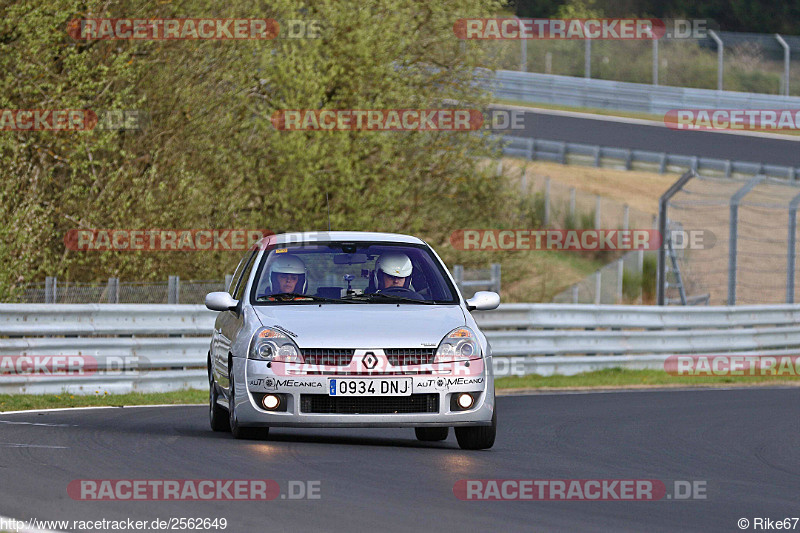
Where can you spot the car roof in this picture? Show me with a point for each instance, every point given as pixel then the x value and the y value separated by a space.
pixel 351 236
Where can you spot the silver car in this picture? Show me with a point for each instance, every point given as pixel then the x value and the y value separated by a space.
pixel 350 329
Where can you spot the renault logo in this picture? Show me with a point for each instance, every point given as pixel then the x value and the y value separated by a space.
pixel 369 361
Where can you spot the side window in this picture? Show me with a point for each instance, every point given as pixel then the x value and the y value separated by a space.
pixel 245 276
pixel 238 273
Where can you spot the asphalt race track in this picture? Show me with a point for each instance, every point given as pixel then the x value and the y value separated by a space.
pixel 659 138
pixel 743 443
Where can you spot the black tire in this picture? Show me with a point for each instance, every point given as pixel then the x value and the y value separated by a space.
pixel 431 434
pixel 477 437
pixel 242 432
pixel 218 415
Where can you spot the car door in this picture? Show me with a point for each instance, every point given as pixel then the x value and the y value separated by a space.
pixel 230 322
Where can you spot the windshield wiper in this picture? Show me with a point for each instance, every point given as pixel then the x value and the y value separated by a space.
pixel 391 297
pixel 296 296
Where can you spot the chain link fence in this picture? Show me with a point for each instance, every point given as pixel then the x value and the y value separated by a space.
pixel 750 62
pixel 747 252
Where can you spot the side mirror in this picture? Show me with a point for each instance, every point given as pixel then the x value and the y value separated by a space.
pixel 220 301
pixel 483 301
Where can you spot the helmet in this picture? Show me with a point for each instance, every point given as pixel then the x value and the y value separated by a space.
pixel 394 264
pixel 288 264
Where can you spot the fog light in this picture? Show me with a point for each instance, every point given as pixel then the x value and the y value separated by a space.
pixel 270 402
pixel 465 400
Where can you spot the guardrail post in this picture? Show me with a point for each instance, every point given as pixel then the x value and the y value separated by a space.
pixel 173 288
pixel 523 55
pixel 496 277
pixel 597 156
pixel 662 166
pixel 597 211
pixel 574 294
pixel 728 168
pixel 786 65
pixel 790 249
pixel 50 296
pixel 532 149
pixel 597 287
pixel 563 153
pixel 720 57
pixel 662 231
pixel 548 62
pixel 734 234
pixel 112 290
pixel 628 159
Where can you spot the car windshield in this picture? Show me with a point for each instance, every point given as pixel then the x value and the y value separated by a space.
pixel 337 272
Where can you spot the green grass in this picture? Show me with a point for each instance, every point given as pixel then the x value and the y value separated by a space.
pixel 20 402
pixel 609 378
pixel 618 377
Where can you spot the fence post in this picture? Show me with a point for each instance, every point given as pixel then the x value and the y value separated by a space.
pixel 620 269
pixel 458 274
pixel 597 287
pixel 655 61
pixel 640 269
pixel 587 60
pixel 523 60
pixel 574 294
pixel 172 289
pixel 50 290
pixel 734 234
pixel 662 231
pixel 625 216
pixel 112 290
pixel 720 54
pixel 547 202
pixel 572 203
pixel 496 277
pixel 597 211
pixel 786 58
pixel 791 249
pixel 548 62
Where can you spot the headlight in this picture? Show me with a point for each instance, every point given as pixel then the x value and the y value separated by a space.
pixel 272 345
pixel 459 345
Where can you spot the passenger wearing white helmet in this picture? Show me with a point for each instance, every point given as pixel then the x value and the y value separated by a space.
pixel 393 270
pixel 288 274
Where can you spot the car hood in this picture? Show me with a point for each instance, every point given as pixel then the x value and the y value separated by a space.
pixel 364 325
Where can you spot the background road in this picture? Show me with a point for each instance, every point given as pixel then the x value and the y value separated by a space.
pixel 658 138
pixel 744 443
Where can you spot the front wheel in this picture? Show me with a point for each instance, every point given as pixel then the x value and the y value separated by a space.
pixel 242 432
pixel 477 437
pixel 431 434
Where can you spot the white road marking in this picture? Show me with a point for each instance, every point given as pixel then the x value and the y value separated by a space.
pixel 21 445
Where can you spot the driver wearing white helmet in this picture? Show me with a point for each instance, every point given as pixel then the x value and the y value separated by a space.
pixel 393 270
pixel 288 274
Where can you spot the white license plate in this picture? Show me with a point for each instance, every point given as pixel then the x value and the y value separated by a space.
pixel 369 387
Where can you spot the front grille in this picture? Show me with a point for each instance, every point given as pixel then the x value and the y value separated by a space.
pixel 369 405
pixel 410 356
pixel 328 356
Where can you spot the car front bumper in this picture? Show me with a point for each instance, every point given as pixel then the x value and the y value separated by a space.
pixel 255 378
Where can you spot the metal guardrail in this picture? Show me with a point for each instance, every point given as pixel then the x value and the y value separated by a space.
pixel 630 159
pixel 525 338
pixel 624 96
